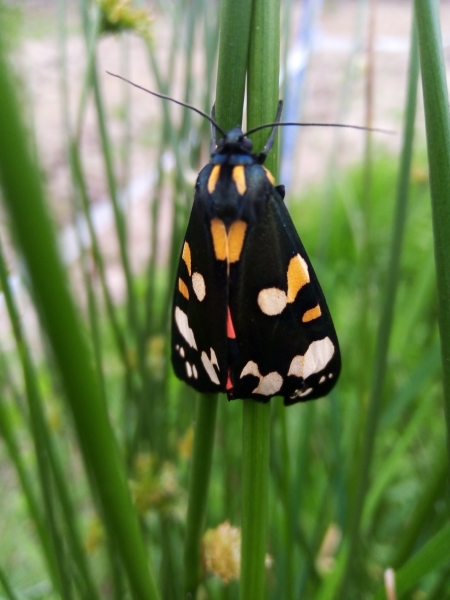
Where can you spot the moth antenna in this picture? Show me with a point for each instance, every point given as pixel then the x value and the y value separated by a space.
pixel 213 129
pixel 198 111
pixel 267 148
pixel 343 126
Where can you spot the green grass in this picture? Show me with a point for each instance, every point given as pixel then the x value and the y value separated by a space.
pixel 94 416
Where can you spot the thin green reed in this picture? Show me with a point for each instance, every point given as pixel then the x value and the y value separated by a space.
pixel 91 32
pixel 57 560
pixel 8 433
pixel 437 121
pixel 232 65
pixel 34 230
pixel 386 316
pixel 50 468
pixel 263 96
pixel 432 556
pixel 91 299
pixel 7 587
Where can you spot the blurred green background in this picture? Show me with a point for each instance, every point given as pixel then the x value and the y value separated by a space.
pixel 358 480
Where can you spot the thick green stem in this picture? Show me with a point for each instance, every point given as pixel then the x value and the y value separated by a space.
pixel 233 45
pixel 262 84
pixel 205 420
pixel 255 501
pixel 25 202
pixel 437 120
pixel 233 50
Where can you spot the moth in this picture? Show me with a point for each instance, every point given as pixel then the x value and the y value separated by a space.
pixel 249 316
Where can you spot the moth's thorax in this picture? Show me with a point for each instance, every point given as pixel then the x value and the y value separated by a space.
pixel 232 190
pixel 233 158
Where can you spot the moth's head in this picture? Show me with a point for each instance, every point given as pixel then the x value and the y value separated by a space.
pixel 234 141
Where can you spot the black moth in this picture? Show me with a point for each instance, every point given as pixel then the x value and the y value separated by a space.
pixel 249 316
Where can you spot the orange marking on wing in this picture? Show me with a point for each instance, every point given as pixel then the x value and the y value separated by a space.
pixel 229 385
pixel 182 287
pixel 230 327
pixel 186 256
pixel 213 178
pixel 220 240
pixel 312 313
pixel 238 176
pixel 297 276
pixel 236 236
pixel 270 177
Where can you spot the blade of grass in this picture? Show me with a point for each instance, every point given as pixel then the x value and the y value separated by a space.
pixel 205 419
pixel 427 560
pixel 7 587
pixel 24 200
pixel 387 312
pixel 58 563
pixel 232 61
pixel 422 510
pixel 437 122
pixel 263 95
pixel 45 447
pixel 233 45
pixel 7 432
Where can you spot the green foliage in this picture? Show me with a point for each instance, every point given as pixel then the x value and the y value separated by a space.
pixel 88 402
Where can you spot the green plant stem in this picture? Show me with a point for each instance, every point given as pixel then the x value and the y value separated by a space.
pixel 233 44
pixel 25 202
pixel 45 448
pixel 38 426
pixel 232 61
pixel 437 121
pixel 7 587
pixel 80 184
pixel 428 559
pixel 255 500
pixel 205 419
pixel 262 85
pixel 7 432
pixel 263 74
pixel 387 312
pixel 422 510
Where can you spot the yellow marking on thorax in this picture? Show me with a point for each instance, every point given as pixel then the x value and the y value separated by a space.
pixel 311 314
pixel 238 176
pixel 213 178
pixel 270 177
pixel 220 240
pixel 186 256
pixel 236 236
pixel 182 287
pixel 297 276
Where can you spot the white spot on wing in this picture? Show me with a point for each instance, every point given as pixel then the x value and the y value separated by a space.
pixel 198 285
pixel 188 369
pixel 181 351
pixel 268 385
pixel 322 379
pixel 209 368
pixel 251 368
pixel 194 371
pixel 314 360
pixel 272 301
pixel 183 326
pixel 305 393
